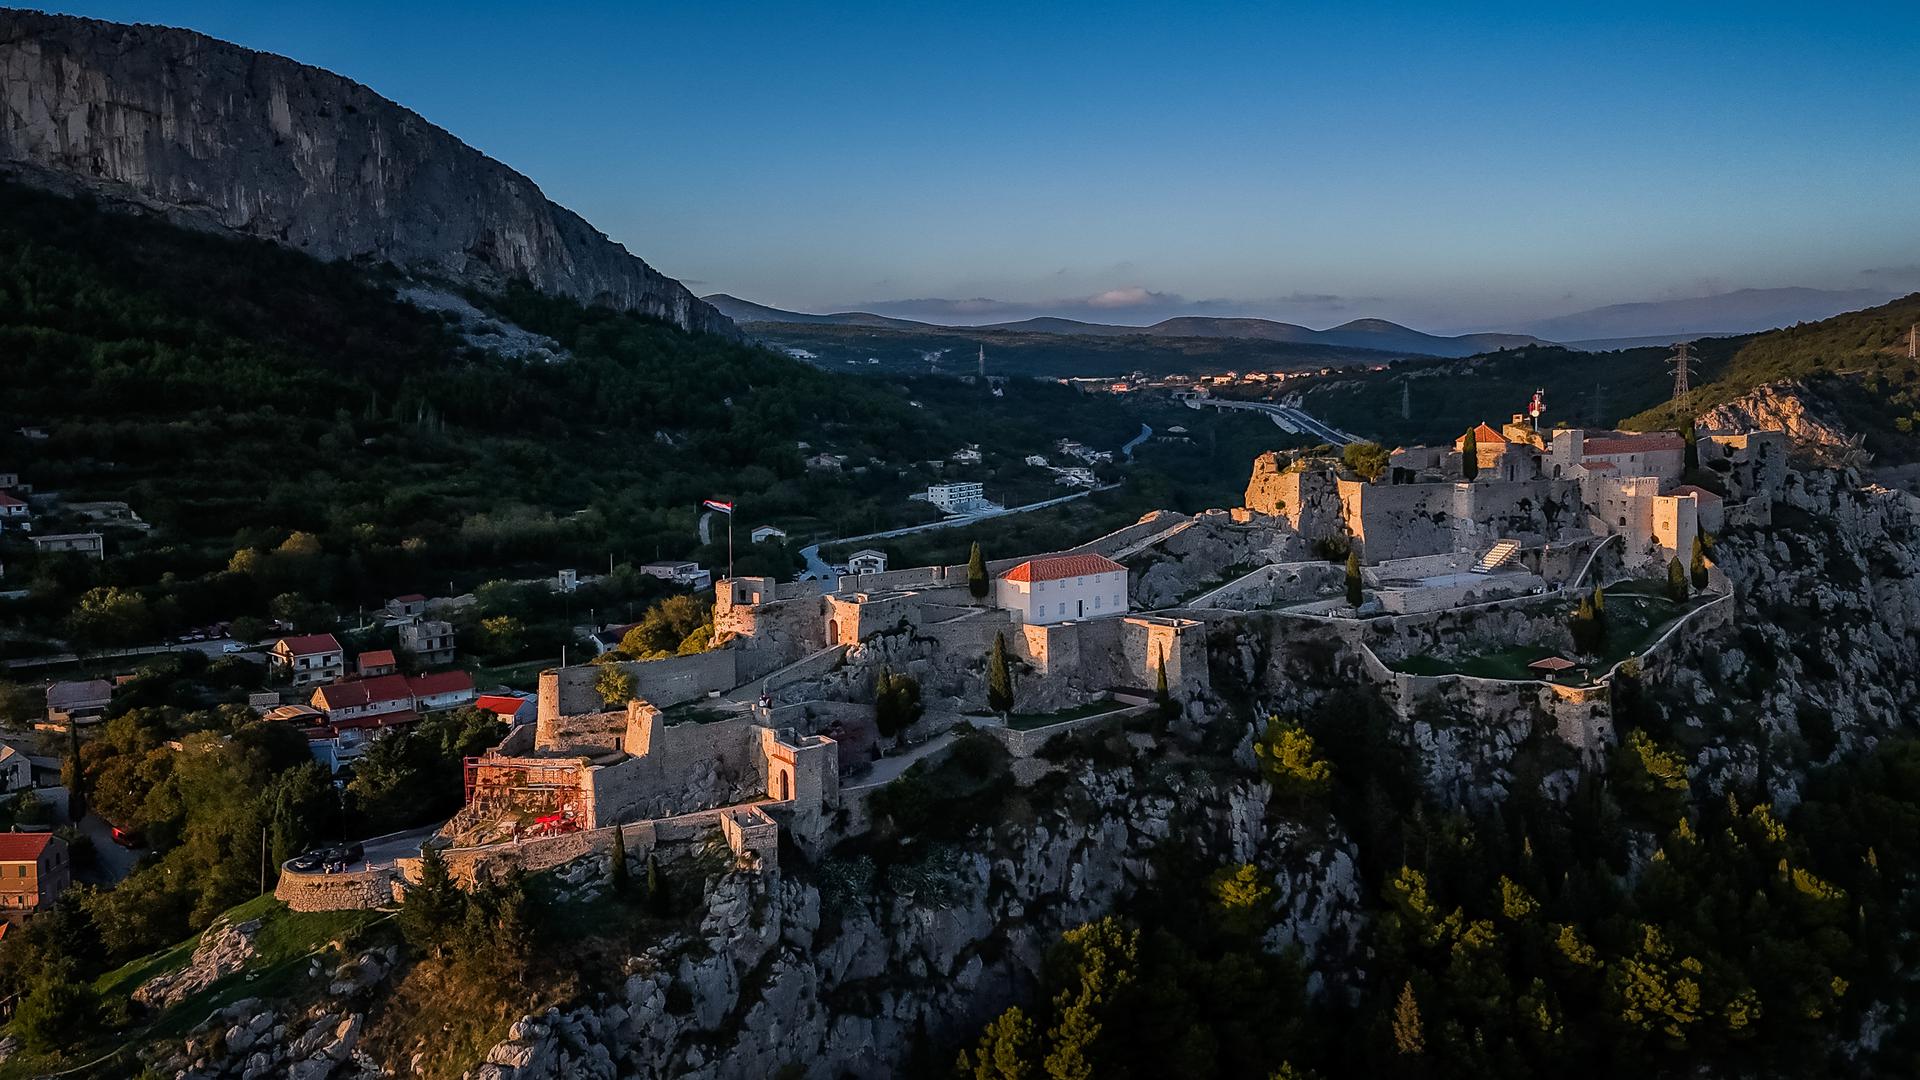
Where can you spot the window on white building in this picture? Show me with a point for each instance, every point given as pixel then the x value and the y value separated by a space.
pixel 1096 603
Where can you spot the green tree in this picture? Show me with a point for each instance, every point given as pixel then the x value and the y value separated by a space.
pixel 248 629
pixel 1368 460
pixel 977 582
pixel 434 909
pixel 614 684
pixel 896 702
pixel 659 892
pixel 1101 957
pixel 1005 1051
pixel 1470 456
pixel 1288 759
pixel 301 808
pixel 999 677
pixel 617 876
pixel 59 1010
pixel 1676 581
pixel 1698 571
pixel 1354 589
pixel 1691 435
pixel 109 618
pixel 1409 1036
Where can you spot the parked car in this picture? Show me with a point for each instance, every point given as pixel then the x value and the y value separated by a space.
pixel 232 647
pixel 305 864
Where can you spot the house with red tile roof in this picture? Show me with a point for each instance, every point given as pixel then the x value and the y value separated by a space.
pixel 309 658
pixel 34 870
pixel 1061 588
pixel 512 708
pixel 376 662
pixel 12 511
pixel 360 700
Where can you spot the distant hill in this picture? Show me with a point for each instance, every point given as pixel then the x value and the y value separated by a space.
pixel 1377 335
pixel 746 311
pixel 1742 312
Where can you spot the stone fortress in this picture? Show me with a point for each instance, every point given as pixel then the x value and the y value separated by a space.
pixel 772 731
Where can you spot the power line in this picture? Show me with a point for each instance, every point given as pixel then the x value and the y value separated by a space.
pixel 1682 361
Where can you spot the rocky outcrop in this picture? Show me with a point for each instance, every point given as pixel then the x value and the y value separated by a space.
pixel 250 1038
pixel 224 949
pixel 1788 406
pixel 214 135
pixel 808 975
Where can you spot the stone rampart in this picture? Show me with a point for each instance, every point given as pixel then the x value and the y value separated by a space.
pixel 353 890
pixel 667 682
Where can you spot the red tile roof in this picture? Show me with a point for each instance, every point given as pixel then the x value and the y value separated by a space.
pixel 311 644
pixel 440 682
pixel 1482 436
pixel 8 500
pixel 18 847
pixel 377 658
pixel 352 693
pixel 1634 444
pixel 1055 567
pixel 505 706
pixel 1698 492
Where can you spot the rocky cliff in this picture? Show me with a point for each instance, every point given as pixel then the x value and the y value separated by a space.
pixel 1789 406
pixel 214 135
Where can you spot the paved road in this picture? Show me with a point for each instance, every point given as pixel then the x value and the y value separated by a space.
pixel 1145 434
pixel 113 861
pixel 382 850
pixel 706 527
pixel 1285 416
pixel 817 567
pixel 213 649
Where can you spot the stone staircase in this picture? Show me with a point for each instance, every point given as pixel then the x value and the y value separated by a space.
pixel 1497 556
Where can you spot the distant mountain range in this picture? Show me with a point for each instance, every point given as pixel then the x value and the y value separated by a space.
pixel 1375 334
pixel 1658 322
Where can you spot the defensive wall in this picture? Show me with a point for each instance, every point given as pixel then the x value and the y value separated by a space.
pixel 1277 585
pixel 354 890
pixel 665 683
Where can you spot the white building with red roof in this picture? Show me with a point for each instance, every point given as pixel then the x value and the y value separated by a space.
pixel 1061 588
pixel 13 511
pixel 310 658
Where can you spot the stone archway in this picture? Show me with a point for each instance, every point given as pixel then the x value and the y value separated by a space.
pixel 833 631
pixel 780 785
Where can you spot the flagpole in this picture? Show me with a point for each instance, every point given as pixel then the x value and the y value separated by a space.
pixel 729 544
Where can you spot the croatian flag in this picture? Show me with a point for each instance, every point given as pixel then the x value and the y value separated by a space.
pixel 716 504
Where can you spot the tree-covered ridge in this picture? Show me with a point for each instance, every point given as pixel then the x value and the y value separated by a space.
pixel 1857 361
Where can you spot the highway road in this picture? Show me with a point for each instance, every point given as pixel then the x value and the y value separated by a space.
pixel 1286 417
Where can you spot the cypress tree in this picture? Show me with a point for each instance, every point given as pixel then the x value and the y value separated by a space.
pixel 1698 570
pixel 1676 580
pixel 1408 1036
pixel 977 573
pixel 1470 456
pixel 657 898
pixel 617 869
pixel 1353 578
pixel 1692 437
pixel 999 678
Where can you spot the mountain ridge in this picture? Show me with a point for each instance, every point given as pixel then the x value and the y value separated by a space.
pixel 1375 334
pixel 214 135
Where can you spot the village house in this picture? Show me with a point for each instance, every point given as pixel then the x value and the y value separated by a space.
pixel 430 641
pixel 34 871
pixel 389 700
pixel 83 702
pixel 309 658
pixel 408 607
pixel 1058 588
pixel 13 512
pixel 514 709
pixel 115 514
pixel 763 533
pixel 90 544
pixel 16 770
pixel 867 561
pixel 375 663
pixel 689 574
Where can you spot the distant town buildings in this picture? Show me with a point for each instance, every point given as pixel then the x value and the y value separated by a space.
pixel 90 544
pixel 764 533
pixel 867 561
pixel 689 574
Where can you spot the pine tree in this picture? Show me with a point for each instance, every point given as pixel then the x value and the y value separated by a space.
pixel 999 678
pixel 1698 571
pixel 977 573
pixel 1162 696
pixel 1353 578
pixel 1408 1036
pixel 1003 1051
pixel 1470 456
pixel 1676 580
pixel 434 907
pixel 617 868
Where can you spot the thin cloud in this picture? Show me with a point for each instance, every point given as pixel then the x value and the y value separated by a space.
pixel 1127 304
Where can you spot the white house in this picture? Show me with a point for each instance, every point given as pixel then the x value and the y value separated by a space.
pixel 12 511
pixel 689 574
pixel 764 533
pixel 867 561
pixel 1057 588
pixel 956 498
pixel 310 658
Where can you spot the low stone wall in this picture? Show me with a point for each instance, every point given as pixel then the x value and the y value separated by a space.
pixel 354 890
pixel 816 664
pixel 1025 744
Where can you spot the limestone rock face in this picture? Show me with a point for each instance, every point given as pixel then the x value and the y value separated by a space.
pixel 213 135
pixel 1781 406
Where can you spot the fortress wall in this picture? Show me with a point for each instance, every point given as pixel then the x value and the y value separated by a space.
pixel 665 683
pixel 354 890
pixel 1397 521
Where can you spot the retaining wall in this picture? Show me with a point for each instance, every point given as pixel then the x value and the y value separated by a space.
pixel 355 890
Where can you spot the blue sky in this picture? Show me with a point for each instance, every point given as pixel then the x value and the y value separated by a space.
pixel 1448 165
